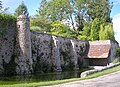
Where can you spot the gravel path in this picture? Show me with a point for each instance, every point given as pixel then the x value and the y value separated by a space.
pixel 110 80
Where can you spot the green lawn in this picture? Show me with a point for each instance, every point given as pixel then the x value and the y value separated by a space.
pixel 34 84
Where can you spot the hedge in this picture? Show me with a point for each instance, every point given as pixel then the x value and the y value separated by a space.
pixel 6 21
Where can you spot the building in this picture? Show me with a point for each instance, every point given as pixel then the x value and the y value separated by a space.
pixel 101 53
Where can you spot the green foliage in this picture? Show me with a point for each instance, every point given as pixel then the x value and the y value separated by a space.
pixel 43 23
pixel 106 32
pixel 56 10
pixel 36 28
pixel 21 9
pixel 2 9
pixel 81 37
pixel 118 52
pixel 43 8
pixel 84 16
pixel 85 33
pixel 99 9
pixel 5 22
pixel 79 12
pixel 95 27
pixel 58 28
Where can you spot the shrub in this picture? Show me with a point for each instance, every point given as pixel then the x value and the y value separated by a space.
pixel 6 21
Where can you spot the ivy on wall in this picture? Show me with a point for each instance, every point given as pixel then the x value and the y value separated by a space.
pixel 6 21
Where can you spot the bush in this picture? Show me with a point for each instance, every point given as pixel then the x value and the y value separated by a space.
pixel 6 21
pixel 36 28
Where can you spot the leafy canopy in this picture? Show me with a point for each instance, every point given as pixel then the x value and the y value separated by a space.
pixel 83 18
pixel 21 9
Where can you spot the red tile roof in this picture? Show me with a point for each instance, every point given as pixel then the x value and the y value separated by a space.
pixel 99 49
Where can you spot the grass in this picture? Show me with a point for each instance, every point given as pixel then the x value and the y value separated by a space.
pixel 46 83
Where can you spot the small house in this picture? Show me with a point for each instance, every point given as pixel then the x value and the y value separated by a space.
pixel 101 53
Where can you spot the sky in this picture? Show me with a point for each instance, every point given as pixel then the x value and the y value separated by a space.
pixel 33 5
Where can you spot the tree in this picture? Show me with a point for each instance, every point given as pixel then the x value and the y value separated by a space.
pixel 57 10
pixel 2 9
pixel 79 12
pixel 0 5
pixel 85 33
pixel 95 28
pixel 99 9
pixel 43 8
pixel 85 16
pixel 60 29
pixel 21 9
pixel 106 32
pixel 43 23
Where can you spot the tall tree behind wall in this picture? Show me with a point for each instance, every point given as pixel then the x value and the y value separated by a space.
pixel 106 32
pixel 98 13
pixel 80 15
pixel 21 9
pixel 99 9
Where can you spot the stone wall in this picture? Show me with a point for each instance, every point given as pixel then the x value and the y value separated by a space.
pixel 41 52
pixel 7 43
pixel 114 45
pixel 55 53
pixel 25 52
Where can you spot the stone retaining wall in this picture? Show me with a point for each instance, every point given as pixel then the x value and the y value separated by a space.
pixel 86 73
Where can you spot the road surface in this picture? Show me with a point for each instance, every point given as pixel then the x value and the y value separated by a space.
pixel 110 80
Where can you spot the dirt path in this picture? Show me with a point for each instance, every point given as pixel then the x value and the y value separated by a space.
pixel 110 80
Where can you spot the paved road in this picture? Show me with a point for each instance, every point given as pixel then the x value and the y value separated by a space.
pixel 110 80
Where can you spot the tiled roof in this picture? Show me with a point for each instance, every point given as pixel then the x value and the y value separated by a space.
pixel 99 49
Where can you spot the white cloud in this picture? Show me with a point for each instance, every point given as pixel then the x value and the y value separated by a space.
pixel 116 27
